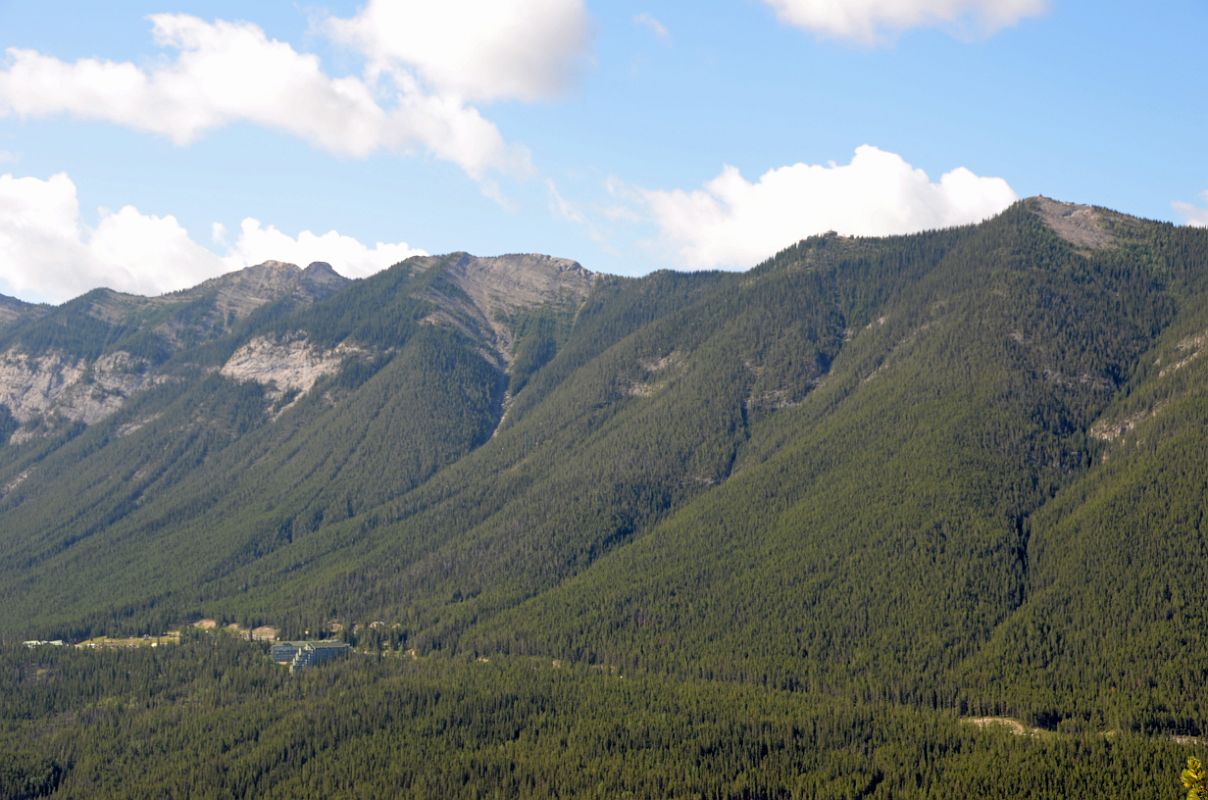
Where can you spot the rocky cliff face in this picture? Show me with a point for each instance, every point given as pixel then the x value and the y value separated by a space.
pixel 80 362
pixel 490 291
pixel 287 367
pixel 44 391
pixel 74 363
pixel 1085 227
pixel 244 291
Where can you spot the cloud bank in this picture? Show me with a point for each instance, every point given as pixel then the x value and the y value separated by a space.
pixel 871 21
pixel 480 50
pixel 732 222
pixel 47 253
pixel 258 243
pixel 229 72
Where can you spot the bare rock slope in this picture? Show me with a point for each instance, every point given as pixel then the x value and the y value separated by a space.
pixel 1085 227
pixel 40 391
pixel 491 291
pixel 52 373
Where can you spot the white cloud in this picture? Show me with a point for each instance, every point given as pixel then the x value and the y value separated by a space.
pixel 652 24
pixel 47 253
pixel 1194 215
pixel 870 21
pixel 258 243
pixel 733 222
pixel 475 49
pixel 564 209
pixel 560 207
pixel 146 254
pixel 226 72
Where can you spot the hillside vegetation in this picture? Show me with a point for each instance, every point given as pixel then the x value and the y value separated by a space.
pixel 906 479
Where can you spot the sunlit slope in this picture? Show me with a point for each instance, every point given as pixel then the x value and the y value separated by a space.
pixel 943 500
pixel 960 468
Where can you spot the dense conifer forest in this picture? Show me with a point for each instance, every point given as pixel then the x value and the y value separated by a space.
pixel 215 718
pixel 783 533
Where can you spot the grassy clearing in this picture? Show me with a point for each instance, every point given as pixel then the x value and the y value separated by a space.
pixel 107 642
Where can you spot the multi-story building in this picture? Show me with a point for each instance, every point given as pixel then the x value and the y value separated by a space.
pixel 299 655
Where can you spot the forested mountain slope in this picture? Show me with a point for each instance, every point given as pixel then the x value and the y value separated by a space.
pixel 13 311
pixel 961 469
pixel 945 503
pixel 300 413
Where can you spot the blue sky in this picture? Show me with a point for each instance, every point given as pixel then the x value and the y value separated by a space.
pixel 630 136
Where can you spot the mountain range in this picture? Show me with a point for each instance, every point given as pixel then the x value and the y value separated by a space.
pixel 956 469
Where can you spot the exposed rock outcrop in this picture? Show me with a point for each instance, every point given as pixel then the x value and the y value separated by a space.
pixel 1187 351
pixel 43 386
pixel 292 365
pixel 1081 226
pixel 244 291
pixel 40 389
pixel 493 290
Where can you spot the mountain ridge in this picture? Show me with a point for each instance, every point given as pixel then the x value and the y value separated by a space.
pixel 677 473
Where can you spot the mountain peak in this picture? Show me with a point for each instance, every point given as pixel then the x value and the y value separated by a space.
pixel 503 284
pixel 247 289
pixel 513 281
pixel 490 290
pixel 1083 226
pixel 271 264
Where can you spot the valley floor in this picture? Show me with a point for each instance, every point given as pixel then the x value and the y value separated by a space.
pixel 214 717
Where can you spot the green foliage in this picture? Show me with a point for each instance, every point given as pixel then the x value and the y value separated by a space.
pixel 214 717
pixel 1195 779
pixel 867 486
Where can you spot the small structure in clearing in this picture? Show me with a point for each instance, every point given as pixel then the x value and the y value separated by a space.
pixel 300 655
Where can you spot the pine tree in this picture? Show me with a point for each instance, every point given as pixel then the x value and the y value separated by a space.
pixel 1195 780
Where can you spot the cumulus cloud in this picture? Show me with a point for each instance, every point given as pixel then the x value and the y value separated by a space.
pixel 475 49
pixel 226 72
pixel 1193 215
pixel 144 253
pixel 258 243
pixel 870 21
pixel 47 253
pixel 733 222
